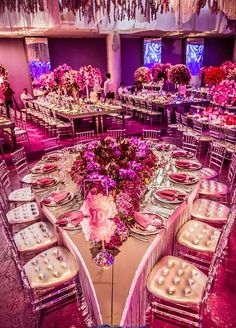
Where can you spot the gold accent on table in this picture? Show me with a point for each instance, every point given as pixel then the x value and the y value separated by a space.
pixel 181 282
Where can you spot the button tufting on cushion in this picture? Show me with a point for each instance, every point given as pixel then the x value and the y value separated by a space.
pixel 213 188
pixel 21 195
pixel 51 268
pixel 203 237
pixel 209 210
pixel 35 237
pixel 28 212
pixel 208 174
pixel 186 288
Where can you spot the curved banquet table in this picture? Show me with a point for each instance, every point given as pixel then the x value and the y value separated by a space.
pixel 117 295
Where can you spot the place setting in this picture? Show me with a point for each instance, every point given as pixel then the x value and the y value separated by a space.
pixel 44 168
pixel 184 178
pixel 52 157
pixel 188 165
pixel 180 153
pixel 42 183
pixel 57 198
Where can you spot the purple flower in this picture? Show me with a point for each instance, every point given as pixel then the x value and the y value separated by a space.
pixel 133 165
pixel 89 156
pixel 127 174
pixel 93 166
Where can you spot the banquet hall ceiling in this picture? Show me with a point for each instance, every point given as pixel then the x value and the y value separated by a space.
pixel 67 18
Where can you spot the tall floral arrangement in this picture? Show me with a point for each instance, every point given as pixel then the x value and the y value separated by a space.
pixel 89 76
pixel 159 71
pixel 180 74
pixel 47 81
pixel 60 71
pixel 228 67
pixel 142 75
pixel 214 75
pixel 224 93
pixel 70 82
pixel 3 75
pixel 122 167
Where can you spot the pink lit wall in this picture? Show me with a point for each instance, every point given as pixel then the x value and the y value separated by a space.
pixel 13 58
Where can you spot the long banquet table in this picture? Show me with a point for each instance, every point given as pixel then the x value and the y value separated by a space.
pixel 117 295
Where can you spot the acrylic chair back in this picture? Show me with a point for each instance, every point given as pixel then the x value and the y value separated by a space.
pixel 50 144
pixel 217 156
pixel 20 162
pixel 5 183
pixel 230 136
pixel 232 172
pixel 178 118
pixel 197 127
pixel 216 260
pixel 85 136
pixel 168 114
pixel 151 134
pixel 118 134
pixel 190 143
pixel 214 132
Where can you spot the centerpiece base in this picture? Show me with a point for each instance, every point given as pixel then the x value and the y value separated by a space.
pixel 104 258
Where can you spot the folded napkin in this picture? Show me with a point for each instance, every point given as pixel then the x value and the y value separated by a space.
pixel 181 177
pixel 187 164
pixel 143 219
pixel 49 166
pixel 179 153
pixel 43 182
pixel 170 194
pixel 56 196
pixel 71 217
pixel 54 156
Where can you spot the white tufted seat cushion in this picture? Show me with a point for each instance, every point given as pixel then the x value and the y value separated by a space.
pixel 208 174
pixel 25 213
pixel 209 211
pixel 51 268
pixel 213 188
pixel 178 281
pixel 198 236
pixel 21 195
pixel 27 178
pixel 35 237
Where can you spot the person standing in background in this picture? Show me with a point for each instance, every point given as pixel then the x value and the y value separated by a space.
pixel 8 95
pixel 109 87
pixel 122 89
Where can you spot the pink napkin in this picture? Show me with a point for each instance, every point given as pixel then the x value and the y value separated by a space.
pixel 57 197
pixel 181 177
pixel 49 166
pixel 143 219
pixel 186 164
pixel 170 194
pixel 42 182
pixel 179 153
pixel 71 217
pixel 54 156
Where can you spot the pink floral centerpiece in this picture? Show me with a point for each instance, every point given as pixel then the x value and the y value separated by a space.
pixel 180 74
pixel 3 75
pixel 142 75
pixel 224 93
pixel 228 67
pixel 159 71
pixel 89 77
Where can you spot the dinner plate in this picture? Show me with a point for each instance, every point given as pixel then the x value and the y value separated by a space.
pixel 56 180
pixel 187 154
pixel 197 167
pixel 63 202
pixel 42 170
pixel 53 157
pixel 138 229
pixel 167 201
pixel 165 147
pixel 190 182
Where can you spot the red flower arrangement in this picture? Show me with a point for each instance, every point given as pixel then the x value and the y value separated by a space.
pixel 214 75
pixel 180 74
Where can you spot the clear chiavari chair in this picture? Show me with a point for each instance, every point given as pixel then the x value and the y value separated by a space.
pixel 153 135
pixel 214 132
pixel 118 134
pixel 179 290
pixel 190 143
pixel 21 195
pixel 153 115
pixel 51 144
pixel 49 279
pixel 230 136
pixel 217 156
pixel 21 165
pixel 198 127
pixel 85 136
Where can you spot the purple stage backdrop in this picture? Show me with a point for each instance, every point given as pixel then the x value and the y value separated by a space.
pixel 77 52
pixel 217 50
